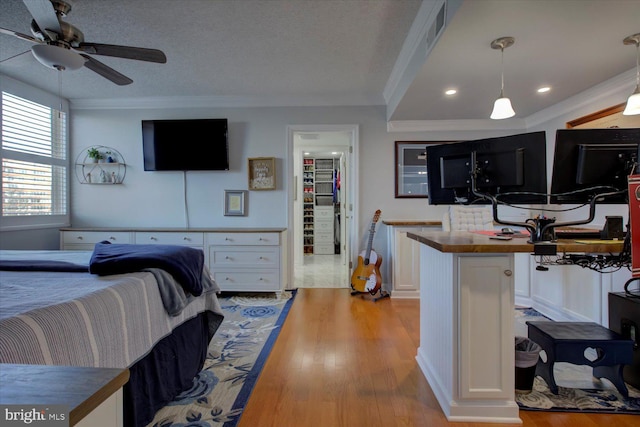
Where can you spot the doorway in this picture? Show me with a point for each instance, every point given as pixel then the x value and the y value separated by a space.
pixel 322 218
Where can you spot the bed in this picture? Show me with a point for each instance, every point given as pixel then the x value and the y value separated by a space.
pixel 71 308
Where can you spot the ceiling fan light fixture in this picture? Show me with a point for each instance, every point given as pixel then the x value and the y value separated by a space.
pixel 502 108
pixel 57 57
pixel 633 103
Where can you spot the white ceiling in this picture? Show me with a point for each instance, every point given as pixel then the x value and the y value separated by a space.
pixel 341 52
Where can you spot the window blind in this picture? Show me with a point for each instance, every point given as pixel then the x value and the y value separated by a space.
pixel 34 159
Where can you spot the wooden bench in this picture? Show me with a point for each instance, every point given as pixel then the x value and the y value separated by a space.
pixel 568 341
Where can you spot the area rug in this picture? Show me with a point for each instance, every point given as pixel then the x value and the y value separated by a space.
pixel 578 390
pixel 236 356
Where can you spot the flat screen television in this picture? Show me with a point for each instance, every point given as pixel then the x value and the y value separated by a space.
pixel 511 168
pixel 588 162
pixel 185 145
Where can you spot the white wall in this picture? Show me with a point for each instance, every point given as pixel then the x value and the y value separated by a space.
pixel 156 198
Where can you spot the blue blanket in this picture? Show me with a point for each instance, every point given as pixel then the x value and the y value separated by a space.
pixel 184 263
pixel 41 265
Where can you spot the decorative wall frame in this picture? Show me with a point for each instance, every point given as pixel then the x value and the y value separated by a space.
pixel 235 202
pixel 411 169
pixel 262 173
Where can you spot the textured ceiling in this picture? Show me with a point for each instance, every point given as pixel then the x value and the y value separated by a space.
pixel 244 48
pixel 340 52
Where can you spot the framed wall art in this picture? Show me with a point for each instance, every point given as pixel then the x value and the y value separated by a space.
pixel 411 168
pixel 262 173
pixel 235 202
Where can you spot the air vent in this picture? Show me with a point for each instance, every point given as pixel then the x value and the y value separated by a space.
pixel 436 26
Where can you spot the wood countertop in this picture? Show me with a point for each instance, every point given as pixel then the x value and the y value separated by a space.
pixel 404 222
pixel 467 242
pixel 178 229
pixel 81 389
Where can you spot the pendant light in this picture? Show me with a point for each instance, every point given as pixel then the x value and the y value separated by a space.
pixel 502 107
pixel 633 103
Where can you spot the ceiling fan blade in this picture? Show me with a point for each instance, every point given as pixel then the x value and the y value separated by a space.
pixel 19 35
pixel 44 14
pixel 127 52
pixel 106 71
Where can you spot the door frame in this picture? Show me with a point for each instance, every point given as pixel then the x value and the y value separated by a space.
pixel 294 184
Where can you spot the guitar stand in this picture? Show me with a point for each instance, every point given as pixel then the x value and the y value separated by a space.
pixel 381 294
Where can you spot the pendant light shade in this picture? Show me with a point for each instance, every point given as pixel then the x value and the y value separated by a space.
pixel 502 108
pixel 633 103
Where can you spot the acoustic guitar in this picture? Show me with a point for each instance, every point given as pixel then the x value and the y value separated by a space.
pixel 366 277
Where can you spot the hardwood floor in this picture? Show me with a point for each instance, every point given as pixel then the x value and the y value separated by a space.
pixel 343 360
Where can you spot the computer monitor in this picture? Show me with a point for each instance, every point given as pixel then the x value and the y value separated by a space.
pixel 511 168
pixel 591 162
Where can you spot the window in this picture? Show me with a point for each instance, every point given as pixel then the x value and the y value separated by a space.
pixel 35 167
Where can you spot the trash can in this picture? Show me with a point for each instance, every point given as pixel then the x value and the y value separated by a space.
pixel 527 354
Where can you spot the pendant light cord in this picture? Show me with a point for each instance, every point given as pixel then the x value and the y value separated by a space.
pixel 637 65
pixel 60 93
pixel 502 72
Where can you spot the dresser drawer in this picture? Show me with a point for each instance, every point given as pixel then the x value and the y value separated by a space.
pixel 323 213
pixel 324 249
pixel 246 257
pixel 323 238
pixel 323 226
pixel 92 237
pixel 230 280
pixel 243 239
pixel 169 238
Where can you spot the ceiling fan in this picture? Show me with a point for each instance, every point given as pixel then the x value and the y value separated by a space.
pixel 61 46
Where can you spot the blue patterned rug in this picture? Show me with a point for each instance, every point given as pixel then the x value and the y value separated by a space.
pixel 236 356
pixel 578 390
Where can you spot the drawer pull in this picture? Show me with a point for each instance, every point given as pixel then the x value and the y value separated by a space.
pixel 152 238
pixel 261 279
pixel 186 238
pixel 79 237
pixel 260 239
pixel 260 258
pixel 112 238
pixel 227 257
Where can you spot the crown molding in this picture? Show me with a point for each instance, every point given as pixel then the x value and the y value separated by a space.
pixel 176 102
pixel 454 125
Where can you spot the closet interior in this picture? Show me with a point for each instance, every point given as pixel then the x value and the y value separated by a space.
pixel 321 206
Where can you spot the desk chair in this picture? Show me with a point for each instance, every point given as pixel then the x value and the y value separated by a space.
pixel 468 218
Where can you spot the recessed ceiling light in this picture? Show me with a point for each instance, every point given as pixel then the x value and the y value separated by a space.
pixel 451 92
pixel 544 89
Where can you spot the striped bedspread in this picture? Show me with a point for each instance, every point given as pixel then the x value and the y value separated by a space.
pixel 80 319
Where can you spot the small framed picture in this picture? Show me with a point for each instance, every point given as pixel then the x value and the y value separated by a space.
pixel 235 202
pixel 262 173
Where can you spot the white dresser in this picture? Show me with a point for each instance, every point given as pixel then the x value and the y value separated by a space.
pixel 246 261
pixel 241 260
pixel 323 229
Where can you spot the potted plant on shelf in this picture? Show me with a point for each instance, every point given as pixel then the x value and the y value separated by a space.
pixel 94 154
